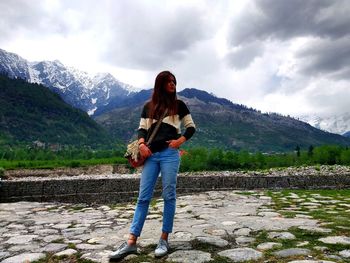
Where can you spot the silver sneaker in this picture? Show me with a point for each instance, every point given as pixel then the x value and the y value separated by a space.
pixel 123 251
pixel 162 248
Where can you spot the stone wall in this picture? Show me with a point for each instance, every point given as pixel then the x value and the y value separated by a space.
pixel 116 190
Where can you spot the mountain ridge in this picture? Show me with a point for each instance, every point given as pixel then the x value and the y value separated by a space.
pixel 223 124
pixel 76 87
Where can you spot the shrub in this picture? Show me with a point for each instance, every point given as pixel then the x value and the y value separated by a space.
pixel 2 172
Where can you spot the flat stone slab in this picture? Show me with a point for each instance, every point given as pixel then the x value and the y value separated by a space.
pixel 292 252
pixel 241 254
pixel 311 261
pixel 24 258
pixel 268 245
pixel 67 252
pixel 281 235
pixel 315 229
pixel 23 239
pixel 345 253
pixel 344 240
pixel 189 256
pixel 216 241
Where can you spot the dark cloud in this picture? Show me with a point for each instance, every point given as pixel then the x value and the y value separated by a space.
pixel 37 18
pixel 327 22
pixel 147 38
pixel 241 57
pixel 326 57
pixel 283 20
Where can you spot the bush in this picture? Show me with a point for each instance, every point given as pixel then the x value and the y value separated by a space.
pixel 2 172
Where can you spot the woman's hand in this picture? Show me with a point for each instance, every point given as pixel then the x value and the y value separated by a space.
pixel 144 150
pixel 176 143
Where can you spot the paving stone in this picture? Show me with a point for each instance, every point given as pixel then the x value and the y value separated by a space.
pixel 241 254
pixel 281 235
pixel 183 236
pixel 21 239
pixel 345 253
pixel 24 258
pixel 216 241
pixel 4 254
pixel 67 252
pixel 215 232
pixel 244 241
pixel 302 243
pixel 292 252
pixel 344 240
pixel 242 232
pixel 53 247
pixel 336 257
pixel 97 256
pixel 268 245
pixel 311 261
pixel 32 247
pixel 189 256
pixel 315 229
pixel 269 214
pixel 90 247
pixel 51 238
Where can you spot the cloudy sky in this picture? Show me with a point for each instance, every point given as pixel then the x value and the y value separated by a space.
pixel 286 56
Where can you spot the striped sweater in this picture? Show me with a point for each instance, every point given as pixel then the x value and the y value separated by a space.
pixel 170 128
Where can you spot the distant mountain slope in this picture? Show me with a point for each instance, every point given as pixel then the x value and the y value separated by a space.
pixel 76 87
pixel 347 134
pixel 221 123
pixel 30 112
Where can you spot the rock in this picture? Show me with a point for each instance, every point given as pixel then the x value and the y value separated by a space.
pixel 98 256
pixel 292 252
pixel 244 240
pixel 242 232
pixel 67 252
pixel 216 241
pixel 302 243
pixel 215 232
pixel 189 256
pixel 90 247
pixel 4 255
pixel 228 223
pixel 182 236
pixel 53 247
pixel 24 258
pixel 344 240
pixel 269 214
pixel 311 261
pixel 315 229
pixel 281 235
pixel 24 239
pixel 241 254
pixel 345 253
pixel 268 245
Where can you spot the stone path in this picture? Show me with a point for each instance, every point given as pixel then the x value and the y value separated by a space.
pixel 209 227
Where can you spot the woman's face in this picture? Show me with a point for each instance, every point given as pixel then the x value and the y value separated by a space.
pixel 170 87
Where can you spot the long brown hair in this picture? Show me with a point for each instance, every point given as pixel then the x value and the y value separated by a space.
pixel 161 99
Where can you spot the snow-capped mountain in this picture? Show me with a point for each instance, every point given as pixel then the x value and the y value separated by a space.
pixel 339 124
pixel 76 87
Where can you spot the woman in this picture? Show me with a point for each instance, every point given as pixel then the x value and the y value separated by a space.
pixel 163 157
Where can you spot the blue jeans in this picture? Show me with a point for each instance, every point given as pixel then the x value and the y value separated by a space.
pixel 166 162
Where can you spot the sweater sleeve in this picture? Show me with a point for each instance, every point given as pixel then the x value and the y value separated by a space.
pixel 143 129
pixel 187 121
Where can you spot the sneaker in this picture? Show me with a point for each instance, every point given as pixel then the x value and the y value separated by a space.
pixel 123 251
pixel 162 248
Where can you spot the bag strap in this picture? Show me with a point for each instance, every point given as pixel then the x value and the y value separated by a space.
pixel 156 128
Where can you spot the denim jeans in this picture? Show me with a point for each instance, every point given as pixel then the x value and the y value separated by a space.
pixel 167 163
